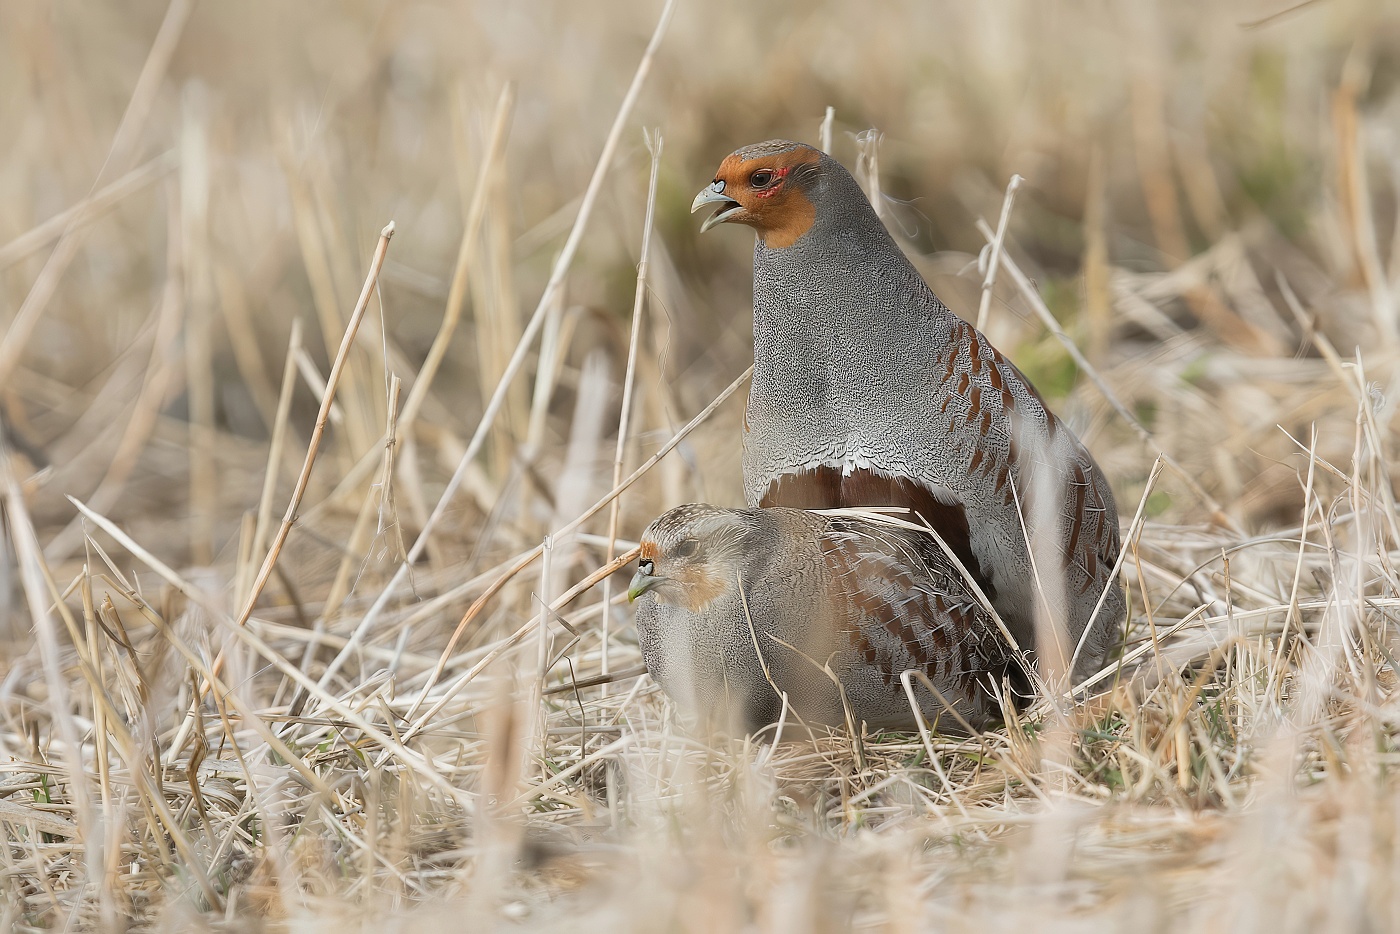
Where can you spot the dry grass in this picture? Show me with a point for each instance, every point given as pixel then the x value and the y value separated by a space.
pixel 420 699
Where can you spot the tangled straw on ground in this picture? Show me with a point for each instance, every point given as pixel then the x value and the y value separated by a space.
pixel 433 712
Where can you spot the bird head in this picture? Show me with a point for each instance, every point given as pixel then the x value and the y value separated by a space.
pixel 767 186
pixel 691 556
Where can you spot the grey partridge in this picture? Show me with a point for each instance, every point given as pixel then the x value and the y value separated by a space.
pixel 868 391
pixel 737 607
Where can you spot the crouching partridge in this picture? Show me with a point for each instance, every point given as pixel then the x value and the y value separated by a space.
pixel 868 391
pixel 738 607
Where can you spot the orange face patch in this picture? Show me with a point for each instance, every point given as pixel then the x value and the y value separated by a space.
pixel 778 209
pixel 700 589
pixel 649 551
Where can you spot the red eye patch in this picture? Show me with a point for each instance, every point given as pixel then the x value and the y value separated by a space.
pixel 771 190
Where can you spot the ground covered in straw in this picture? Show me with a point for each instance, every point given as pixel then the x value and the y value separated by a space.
pixel 308 617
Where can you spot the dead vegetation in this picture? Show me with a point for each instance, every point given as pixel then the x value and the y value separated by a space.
pixel 307 619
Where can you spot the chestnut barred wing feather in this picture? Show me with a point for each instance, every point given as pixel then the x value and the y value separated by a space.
pixel 819 613
pixel 1094 540
pixel 908 611
pixel 827 487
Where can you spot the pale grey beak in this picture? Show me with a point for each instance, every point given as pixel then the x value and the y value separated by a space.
pixel 641 583
pixel 713 193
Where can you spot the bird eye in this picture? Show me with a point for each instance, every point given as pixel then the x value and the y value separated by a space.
pixel 646 566
pixel 686 548
pixel 762 178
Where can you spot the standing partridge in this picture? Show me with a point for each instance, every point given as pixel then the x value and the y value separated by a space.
pixel 868 391
pixel 737 607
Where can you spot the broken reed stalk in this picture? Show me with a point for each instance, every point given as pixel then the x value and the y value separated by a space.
pixel 984 307
pixel 322 417
pixel 624 419
pixel 517 359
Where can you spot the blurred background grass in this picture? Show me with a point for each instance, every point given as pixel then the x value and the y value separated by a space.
pixel 1176 125
pixel 1189 167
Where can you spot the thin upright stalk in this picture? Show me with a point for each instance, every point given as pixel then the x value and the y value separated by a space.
pixel 322 418
pixel 517 360
pixel 629 380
